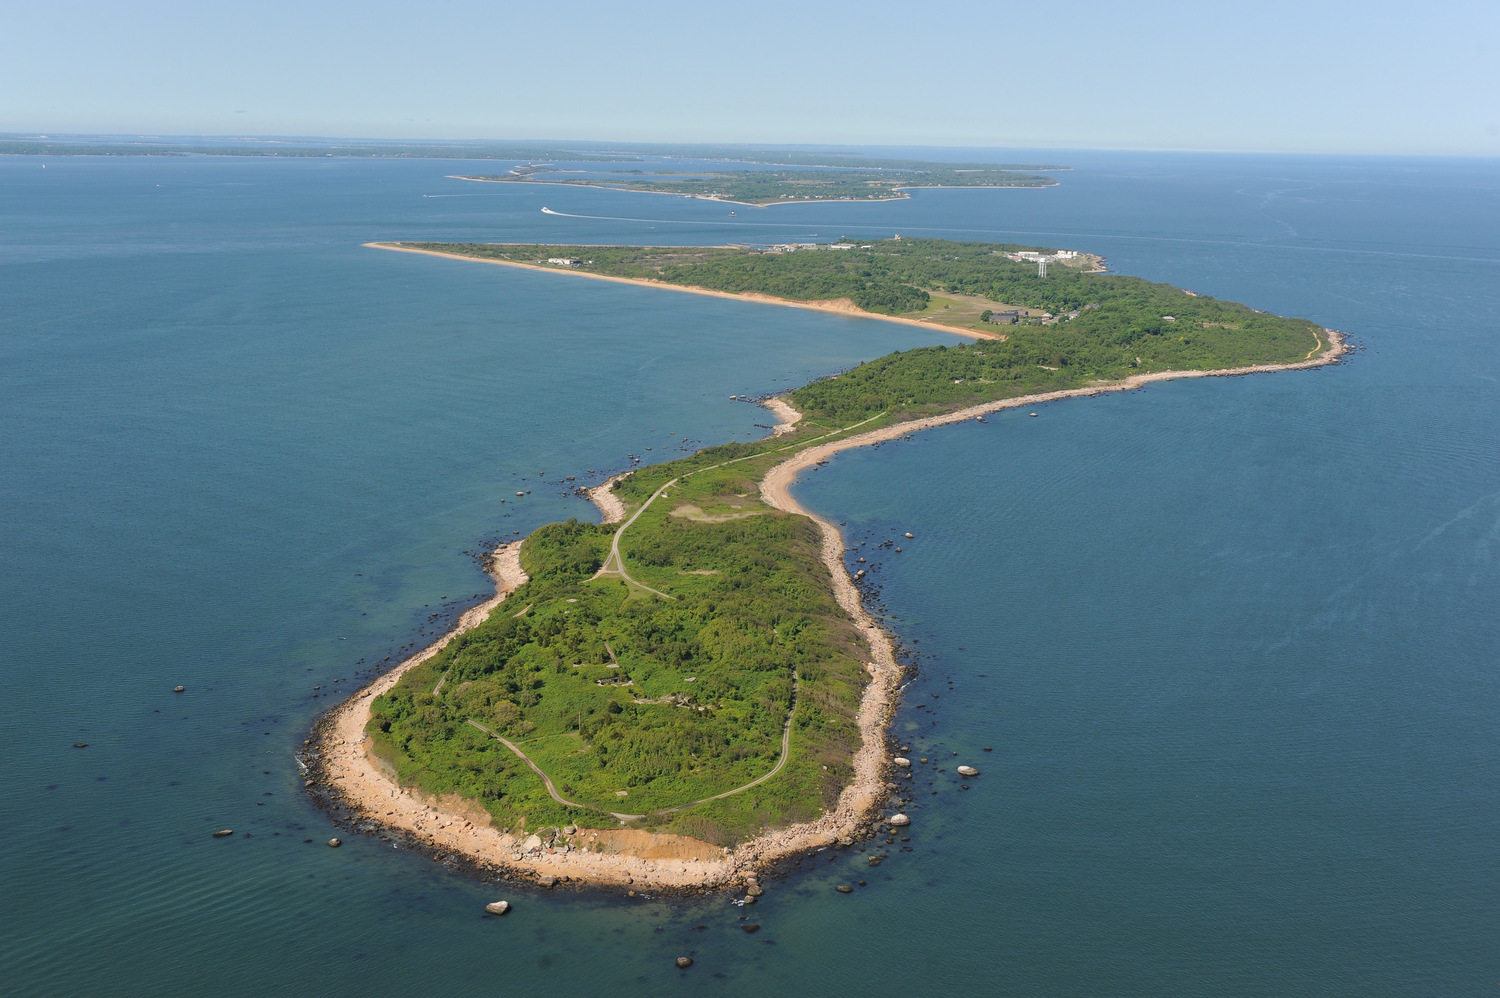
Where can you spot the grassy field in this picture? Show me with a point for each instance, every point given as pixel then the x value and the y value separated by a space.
pixel 637 704
pixel 642 704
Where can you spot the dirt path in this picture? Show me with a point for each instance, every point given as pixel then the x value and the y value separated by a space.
pixel 615 563
pixel 547 780
pixel 786 753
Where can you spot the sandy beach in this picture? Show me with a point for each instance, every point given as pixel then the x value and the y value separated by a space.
pixel 610 506
pixel 340 758
pixel 839 306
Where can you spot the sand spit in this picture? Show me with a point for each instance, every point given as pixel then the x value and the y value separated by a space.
pixel 777 482
pixel 340 763
pixel 839 306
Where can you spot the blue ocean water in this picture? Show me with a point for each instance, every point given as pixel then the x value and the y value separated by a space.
pixel 1232 641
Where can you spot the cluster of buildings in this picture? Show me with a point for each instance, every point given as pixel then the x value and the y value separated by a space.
pixel 793 247
pixel 1011 316
pixel 1031 256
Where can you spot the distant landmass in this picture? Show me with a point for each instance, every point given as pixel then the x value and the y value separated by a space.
pixel 767 187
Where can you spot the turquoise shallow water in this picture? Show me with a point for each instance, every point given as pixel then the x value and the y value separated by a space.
pixel 1233 642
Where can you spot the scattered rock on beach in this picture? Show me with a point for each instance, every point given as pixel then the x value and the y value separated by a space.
pixel 570 829
pixel 548 882
pixel 532 844
pixel 497 907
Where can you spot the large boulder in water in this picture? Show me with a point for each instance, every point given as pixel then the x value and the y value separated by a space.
pixel 497 907
pixel 967 771
pixel 898 820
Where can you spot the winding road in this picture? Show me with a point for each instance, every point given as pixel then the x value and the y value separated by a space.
pixel 615 563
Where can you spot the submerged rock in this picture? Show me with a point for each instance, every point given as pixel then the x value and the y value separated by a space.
pixel 844 889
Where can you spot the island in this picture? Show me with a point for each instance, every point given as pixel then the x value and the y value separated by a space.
pixel 759 188
pixel 692 689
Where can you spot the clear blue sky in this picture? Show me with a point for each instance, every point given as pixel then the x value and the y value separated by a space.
pixel 1308 76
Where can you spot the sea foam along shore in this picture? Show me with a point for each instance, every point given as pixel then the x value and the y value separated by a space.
pixel 340 754
pixel 838 306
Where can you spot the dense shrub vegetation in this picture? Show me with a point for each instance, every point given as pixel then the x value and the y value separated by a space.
pixel 640 703
pixel 634 703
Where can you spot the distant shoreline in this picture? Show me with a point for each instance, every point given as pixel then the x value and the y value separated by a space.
pixel 898 192
pixel 842 306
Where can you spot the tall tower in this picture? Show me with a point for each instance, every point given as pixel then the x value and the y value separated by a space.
pixel 1041 267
